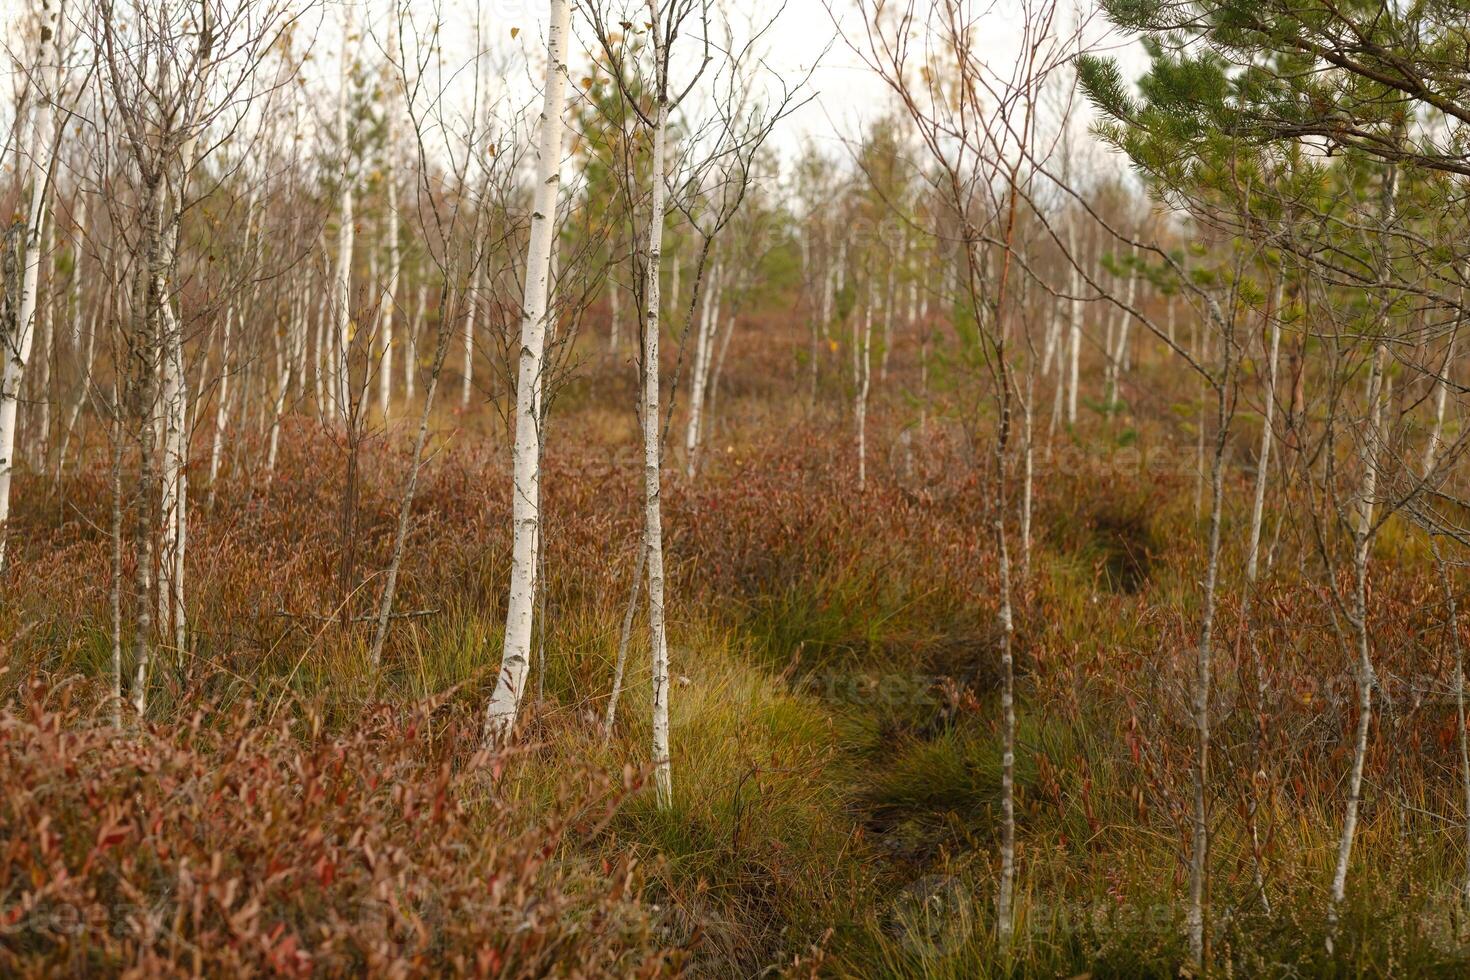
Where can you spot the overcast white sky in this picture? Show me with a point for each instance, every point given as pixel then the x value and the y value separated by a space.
pixel 845 93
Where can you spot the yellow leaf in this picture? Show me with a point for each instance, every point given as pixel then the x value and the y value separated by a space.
pixel 514 31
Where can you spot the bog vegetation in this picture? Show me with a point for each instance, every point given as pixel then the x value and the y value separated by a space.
pixel 476 498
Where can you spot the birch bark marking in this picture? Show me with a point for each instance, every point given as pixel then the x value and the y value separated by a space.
pixel 17 350
pixel 653 515
pixel 500 716
pixel 175 477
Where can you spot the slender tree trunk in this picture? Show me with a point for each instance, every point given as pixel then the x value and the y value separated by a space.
pixel 1199 939
pixel 388 309
pixel 319 386
pixel 890 293
pixel 1258 505
pixel 221 407
pixel 500 715
pixel 175 477
pixel 1363 534
pixel 1452 625
pixel 115 593
pixel 467 370
pixel 1119 360
pixel 1027 466
pixel 862 373
pixel 712 387
pixel 17 349
pixel 346 234
pixel 146 346
pixel 704 342
pixel 1441 389
pixel 652 493
pixel 283 391
pixel 411 355
pixel 610 719
pixel 405 505
pixel 87 350
pixel 1074 327
pixel 1363 666
pixel 45 353
pixel 83 395
pixel 1005 898
pixel 1202 346
pixel 615 315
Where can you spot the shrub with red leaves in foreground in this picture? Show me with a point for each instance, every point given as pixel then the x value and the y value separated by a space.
pixel 236 845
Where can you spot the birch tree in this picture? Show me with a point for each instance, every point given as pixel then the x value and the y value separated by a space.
pixel 500 715
pixel 42 75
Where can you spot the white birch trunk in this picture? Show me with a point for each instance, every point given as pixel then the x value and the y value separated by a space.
pixel 387 310
pixel 712 387
pixel 175 442
pixel 222 399
pixel 862 369
pixel 500 715
pixel 45 342
pixel 467 371
pixel 115 431
pixel 278 410
pixel 1027 468
pixel 709 318
pixel 1074 327
pixel 615 315
pixel 1125 355
pixel 1119 361
pixel 387 307
pixel 17 347
pixel 652 501
pixel 1050 344
pixel 346 232
pixel 890 295
pixel 829 292
pixel 1258 505
pixel 1441 389
pixel 317 327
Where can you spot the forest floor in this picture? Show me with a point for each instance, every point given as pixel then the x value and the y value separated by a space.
pixel 835 725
